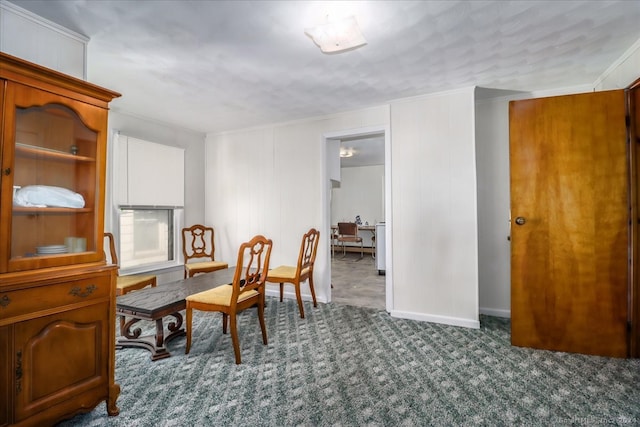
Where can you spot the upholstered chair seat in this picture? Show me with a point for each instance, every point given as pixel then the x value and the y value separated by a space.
pixel 220 296
pixel 134 282
pixel 204 267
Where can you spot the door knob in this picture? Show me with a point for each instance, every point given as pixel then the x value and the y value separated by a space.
pixel 520 220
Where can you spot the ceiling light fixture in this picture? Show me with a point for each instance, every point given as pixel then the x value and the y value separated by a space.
pixel 347 152
pixel 338 36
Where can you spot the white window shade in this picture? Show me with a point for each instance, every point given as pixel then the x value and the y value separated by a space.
pixel 150 174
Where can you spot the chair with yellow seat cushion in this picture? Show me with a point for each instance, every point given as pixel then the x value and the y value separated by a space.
pixel 246 291
pixel 125 284
pixel 302 271
pixel 198 245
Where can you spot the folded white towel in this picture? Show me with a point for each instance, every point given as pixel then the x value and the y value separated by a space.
pixel 47 196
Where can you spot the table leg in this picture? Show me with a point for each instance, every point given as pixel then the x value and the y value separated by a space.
pixel 159 333
pixel 156 343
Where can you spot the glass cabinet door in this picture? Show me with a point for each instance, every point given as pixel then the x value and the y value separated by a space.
pixel 55 206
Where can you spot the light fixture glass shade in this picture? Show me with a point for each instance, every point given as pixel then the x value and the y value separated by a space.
pixel 337 36
pixel 347 152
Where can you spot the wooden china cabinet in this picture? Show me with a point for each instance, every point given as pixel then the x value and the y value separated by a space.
pixel 57 295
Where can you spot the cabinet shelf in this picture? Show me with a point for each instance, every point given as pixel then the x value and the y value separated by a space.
pixel 33 210
pixel 33 151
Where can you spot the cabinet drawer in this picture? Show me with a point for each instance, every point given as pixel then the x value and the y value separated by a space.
pixel 50 296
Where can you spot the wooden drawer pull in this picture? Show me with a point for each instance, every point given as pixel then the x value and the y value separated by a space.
pixel 77 291
pixel 4 301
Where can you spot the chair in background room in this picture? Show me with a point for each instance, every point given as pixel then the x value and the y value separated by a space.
pixel 302 271
pixel 334 240
pixel 132 282
pixel 373 246
pixel 246 291
pixel 348 233
pixel 198 246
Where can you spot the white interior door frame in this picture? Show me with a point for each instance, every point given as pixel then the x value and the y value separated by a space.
pixel 326 199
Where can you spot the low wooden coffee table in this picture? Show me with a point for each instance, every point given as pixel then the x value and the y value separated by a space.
pixel 154 304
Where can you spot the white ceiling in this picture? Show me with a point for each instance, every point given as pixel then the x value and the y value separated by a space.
pixel 214 66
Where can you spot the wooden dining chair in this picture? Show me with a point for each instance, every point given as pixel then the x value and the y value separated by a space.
pixel 302 271
pixel 198 250
pixel 246 291
pixel 348 233
pixel 132 282
pixel 129 283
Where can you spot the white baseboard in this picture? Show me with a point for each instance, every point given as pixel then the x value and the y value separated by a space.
pixel 495 312
pixel 273 291
pixel 434 318
pixel 290 294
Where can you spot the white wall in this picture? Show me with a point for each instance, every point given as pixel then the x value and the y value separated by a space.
pixel 35 39
pixel 271 181
pixel 494 253
pixel 435 244
pixel 361 192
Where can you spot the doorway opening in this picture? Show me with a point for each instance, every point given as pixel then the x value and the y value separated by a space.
pixel 358 190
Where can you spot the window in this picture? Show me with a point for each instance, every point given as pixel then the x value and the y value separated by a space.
pixel 149 198
pixel 147 237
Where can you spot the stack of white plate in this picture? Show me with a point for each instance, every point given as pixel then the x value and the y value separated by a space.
pixel 51 249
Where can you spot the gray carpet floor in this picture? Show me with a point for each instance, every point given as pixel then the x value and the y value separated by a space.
pixel 357 366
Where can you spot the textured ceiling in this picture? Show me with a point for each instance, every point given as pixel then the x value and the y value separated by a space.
pixel 213 66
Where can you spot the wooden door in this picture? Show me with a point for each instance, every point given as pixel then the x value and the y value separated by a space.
pixel 570 223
